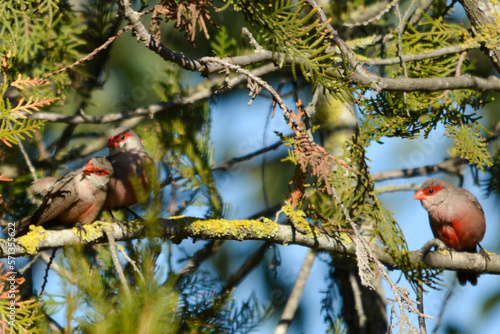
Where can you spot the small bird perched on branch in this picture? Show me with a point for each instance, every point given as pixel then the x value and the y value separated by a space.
pixel 456 218
pixel 130 183
pixel 131 163
pixel 74 199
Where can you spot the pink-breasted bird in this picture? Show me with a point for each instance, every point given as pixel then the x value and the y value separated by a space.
pixel 132 165
pixel 74 199
pixel 456 218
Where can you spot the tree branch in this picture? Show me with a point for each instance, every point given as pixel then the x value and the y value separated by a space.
pixel 449 165
pixel 319 240
pixel 294 300
pixel 229 163
pixel 483 15
pixel 359 76
pixel 199 92
pixel 116 262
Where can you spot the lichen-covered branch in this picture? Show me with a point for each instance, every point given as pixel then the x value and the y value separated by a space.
pixel 484 17
pixel 180 228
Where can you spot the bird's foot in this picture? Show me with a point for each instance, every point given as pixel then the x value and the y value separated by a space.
pixel 121 223
pixel 80 228
pixel 434 243
pixel 484 253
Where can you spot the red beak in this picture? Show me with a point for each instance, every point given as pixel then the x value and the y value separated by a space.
pixel 419 195
pixel 89 169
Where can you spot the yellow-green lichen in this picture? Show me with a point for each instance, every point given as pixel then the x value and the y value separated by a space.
pixel 91 232
pixel 298 219
pixel 264 228
pixel 31 240
pixel 344 238
pixel 133 225
pixel 489 35
pixel 444 252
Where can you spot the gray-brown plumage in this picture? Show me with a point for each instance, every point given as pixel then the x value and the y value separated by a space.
pixel 132 165
pixel 129 183
pixel 456 218
pixel 75 198
pixel 42 186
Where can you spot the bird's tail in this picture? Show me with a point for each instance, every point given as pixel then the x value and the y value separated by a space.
pixel 464 277
pixel 23 226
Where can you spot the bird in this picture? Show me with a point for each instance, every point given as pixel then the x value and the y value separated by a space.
pixel 74 199
pixel 133 169
pixel 131 163
pixel 456 218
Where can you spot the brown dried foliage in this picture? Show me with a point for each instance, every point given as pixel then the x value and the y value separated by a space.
pixel 297 194
pixel 6 291
pixel 187 15
pixel 308 153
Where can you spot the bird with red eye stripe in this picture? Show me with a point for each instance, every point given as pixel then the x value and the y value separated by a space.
pixel 456 218
pixel 133 168
pixel 74 199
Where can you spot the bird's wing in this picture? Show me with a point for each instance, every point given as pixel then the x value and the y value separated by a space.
pixel 474 201
pixel 42 186
pixel 62 195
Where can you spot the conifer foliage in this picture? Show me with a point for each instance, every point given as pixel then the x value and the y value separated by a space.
pixel 72 72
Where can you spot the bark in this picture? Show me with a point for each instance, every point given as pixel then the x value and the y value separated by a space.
pixel 483 15
pixel 182 228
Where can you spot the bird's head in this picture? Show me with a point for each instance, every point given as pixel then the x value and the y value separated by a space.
pixel 123 139
pixel 98 170
pixel 433 192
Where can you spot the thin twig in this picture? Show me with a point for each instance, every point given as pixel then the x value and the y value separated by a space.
pixel 443 308
pixel 30 263
pixel 392 189
pixel 249 264
pixel 229 163
pixel 358 301
pixel 89 56
pixel 449 165
pixel 294 300
pixel 249 74
pixel 132 262
pixel 46 276
pixel 252 40
pixel 199 92
pixel 401 28
pixel 311 107
pixel 60 270
pixel 346 52
pixel 420 301
pixel 199 256
pixel 116 262
pixel 383 8
pixel 423 6
pixel 27 159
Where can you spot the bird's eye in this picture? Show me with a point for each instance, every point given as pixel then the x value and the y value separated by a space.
pixel 122 137
pixel 99 172
pixel 430 191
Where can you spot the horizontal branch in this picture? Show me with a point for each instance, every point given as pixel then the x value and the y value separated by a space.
pixel 449 165
pixel 465 81
pixel 199 92
pixel 359 74
pixel 449 50
pixel 181 228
